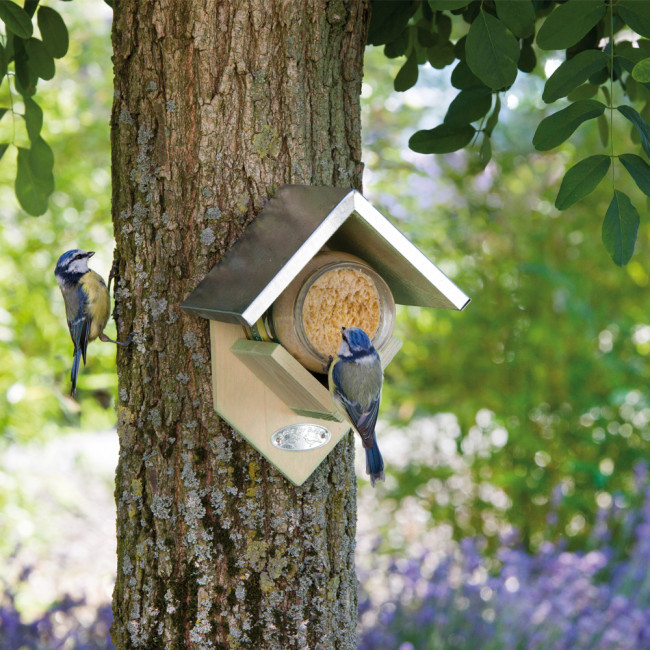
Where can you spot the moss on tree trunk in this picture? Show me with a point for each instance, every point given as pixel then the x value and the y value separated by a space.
pixel 216 105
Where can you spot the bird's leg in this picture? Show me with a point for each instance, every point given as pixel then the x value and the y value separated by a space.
pixel 106 339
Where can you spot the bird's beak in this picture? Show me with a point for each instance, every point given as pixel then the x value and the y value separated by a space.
pixel 90 253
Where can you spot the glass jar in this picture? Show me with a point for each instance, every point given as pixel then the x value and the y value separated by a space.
pixel 334 290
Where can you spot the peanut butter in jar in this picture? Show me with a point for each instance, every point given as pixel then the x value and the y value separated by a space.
pixel 334 290
pixel 340 297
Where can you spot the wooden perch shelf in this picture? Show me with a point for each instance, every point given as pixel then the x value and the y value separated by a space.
pixel 292 383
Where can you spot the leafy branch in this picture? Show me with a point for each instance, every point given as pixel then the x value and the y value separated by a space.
pixel 24 59
pixel 500 40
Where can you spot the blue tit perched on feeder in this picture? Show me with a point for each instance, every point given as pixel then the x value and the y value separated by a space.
pixel 355 380
pixel 87 304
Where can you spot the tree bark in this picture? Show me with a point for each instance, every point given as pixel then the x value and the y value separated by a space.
pixel 218 103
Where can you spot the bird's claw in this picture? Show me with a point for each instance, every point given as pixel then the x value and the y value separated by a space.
pixel 129 339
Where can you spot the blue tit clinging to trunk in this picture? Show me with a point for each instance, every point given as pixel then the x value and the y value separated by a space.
pixel 87 304
pixel 355 379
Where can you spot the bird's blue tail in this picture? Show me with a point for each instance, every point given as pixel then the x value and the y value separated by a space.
pixel 76 360
pixel 374 463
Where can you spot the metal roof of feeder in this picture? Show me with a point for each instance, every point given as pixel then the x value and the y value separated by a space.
pixel 297 223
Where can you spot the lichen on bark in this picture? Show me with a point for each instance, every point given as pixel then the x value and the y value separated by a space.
pixel 217 104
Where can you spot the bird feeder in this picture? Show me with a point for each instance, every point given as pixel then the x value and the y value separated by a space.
pixel 315 259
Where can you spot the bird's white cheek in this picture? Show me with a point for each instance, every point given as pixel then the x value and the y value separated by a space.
pixel 78 266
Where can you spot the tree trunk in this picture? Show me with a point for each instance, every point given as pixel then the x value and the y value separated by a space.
pixel 218 103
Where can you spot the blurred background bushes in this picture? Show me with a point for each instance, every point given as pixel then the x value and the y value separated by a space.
pixel 546 371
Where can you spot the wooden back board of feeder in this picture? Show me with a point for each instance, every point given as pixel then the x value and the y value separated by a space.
pixel 260 389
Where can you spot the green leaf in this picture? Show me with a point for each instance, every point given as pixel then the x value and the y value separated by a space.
pixel 397 47
pixel 408 74
pixel 451 5
pixel 485 152
pixel 569 23
pixel 3 148
pixel 20 62
pixel 555 129
pixel 387 21
pixel 603 129
pixel 427 14
pixel 572 73
pixel 40 60
pixel 9 46
pixel 582 92
pixel 33 118
pixel 638 169
pixel 31 192
pixel 3 63
pixel 25 78
pixel 462 77
pixel 518 17
pixel 527 58
pixel 641 71
pixel 443 27
pixel 620 228
pixel 16 19
pixel 441 55
pixel 628 56
pixel 632 88
pixel 492 52
pixel 41 162
pixel 30 7
pixel 426 37
pixel 442 139
pixel 468 106
pixel 636 15
pixel 581 180
pixel 608 97
pixel 600 77
pixel 640 124
pixel 53 31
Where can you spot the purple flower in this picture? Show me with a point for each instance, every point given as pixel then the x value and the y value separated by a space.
pixel 554 598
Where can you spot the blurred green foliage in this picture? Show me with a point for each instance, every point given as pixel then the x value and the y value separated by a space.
pixel 35 346
pixel 547 369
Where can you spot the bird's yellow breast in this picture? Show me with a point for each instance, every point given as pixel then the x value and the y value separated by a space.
pixel 98 302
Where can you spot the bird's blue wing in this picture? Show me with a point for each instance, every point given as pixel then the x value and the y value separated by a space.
pixel 79 325
pixel 362 417
pixel 367 421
